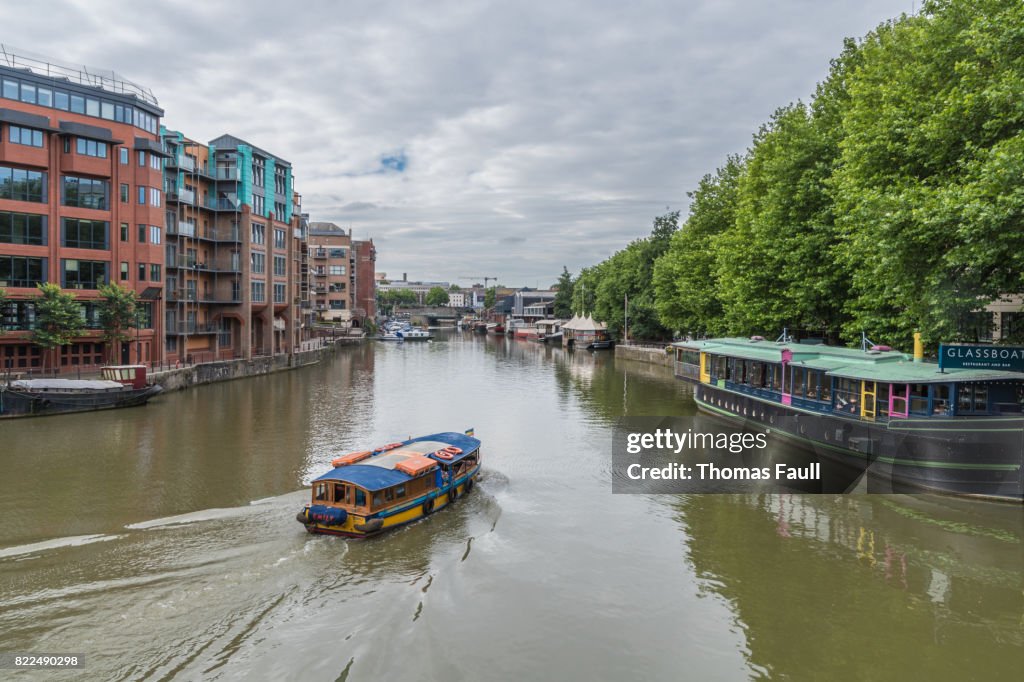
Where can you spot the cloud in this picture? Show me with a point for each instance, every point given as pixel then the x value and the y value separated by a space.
pixel 555 130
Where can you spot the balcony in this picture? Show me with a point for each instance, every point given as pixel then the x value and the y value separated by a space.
pixel 226 173
pixel 186 163
pixel 320 253
pixel 194 328
pixel 222 204
pixel 184 196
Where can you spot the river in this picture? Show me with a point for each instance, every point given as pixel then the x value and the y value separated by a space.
pixel 160 542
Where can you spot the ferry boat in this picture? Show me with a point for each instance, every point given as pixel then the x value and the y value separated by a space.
pixel 369 492
pixel 120 386
pixel 916 424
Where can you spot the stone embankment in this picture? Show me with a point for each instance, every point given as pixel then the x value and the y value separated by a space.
pixel 652 355
pixel 225 370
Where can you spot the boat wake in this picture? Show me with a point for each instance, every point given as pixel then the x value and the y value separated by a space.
pixel 56 543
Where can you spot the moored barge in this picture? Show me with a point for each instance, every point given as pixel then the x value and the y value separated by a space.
pixel 908 422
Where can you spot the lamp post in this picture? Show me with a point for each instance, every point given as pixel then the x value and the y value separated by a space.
pixel 138 337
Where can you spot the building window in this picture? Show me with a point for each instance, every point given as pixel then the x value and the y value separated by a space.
pixel 25 136
pixel 124 271
pixel 259 292
pixel 22 185
pixel 142 195
pixel 124 232
pixel 83 274
pixel 142 158
pixel 279 212
pixel 22 271
pixel 279 293
pixel 337 305
pixel 85 193
pixel 154 272
pixel 279 238
pixel 154 234
pixel 92 107
pixel 336 253
pixel 22 228
pixel 258 262
pixel 28 93
pixel 85 234
pixel 154 162
pixel 280 181
pixel 280 266
pixel 124 156
pixel 86 147
pixel 335 270
pixel 10 89
pixel 142 272
pixel 142 234
pixel 124 193
pixel 257 172
pixel 258 234
pixel 154 197
pixel 77 104
pixel 257 204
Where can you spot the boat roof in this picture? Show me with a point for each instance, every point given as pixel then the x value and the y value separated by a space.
pixel 378 471
pixel 847 363
pixel 66 384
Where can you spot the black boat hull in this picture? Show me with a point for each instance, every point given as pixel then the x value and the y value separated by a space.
pixel 14 403
pixel 963 456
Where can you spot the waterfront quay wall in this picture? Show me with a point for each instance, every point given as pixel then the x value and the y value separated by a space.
pixel 654 356
pixel 227 370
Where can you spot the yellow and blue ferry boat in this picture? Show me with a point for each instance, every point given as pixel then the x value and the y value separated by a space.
pixel 372 491
pixel 953 427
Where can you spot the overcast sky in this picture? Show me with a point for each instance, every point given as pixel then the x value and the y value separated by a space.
pixel 470 138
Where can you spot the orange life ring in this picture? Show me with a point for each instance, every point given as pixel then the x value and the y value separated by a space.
pixel 449 452
pixel 389 446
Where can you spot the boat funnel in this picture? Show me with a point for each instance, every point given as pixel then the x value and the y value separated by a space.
pixel 918 348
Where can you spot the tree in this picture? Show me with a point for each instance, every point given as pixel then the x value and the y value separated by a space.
pixel 437 296
pixel 490 298
pixel 685 278
pixel 58 318
pixel 563 297
pixel 455 288
pixel 118 307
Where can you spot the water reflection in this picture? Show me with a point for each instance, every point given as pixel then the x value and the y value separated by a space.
pixel 844 587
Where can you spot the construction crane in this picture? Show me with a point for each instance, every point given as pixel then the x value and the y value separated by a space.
pixel 478 278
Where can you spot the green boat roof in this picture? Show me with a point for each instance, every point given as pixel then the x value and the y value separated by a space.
pixel 849 363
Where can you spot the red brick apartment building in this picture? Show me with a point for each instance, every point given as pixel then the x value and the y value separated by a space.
pixel 341 275
pixel 81 203
pixel 235 250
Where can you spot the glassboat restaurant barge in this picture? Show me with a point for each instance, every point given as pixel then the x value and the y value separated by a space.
pixel 372 491
pixel 958 430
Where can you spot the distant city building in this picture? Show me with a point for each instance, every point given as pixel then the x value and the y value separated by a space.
pixel 81 205
pixel 419 288
pixel 456 299
pixel 365 303
pixel 342 274
pixel 527 297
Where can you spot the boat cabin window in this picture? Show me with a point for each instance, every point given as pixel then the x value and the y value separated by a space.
pixel 689 357
pixel 775 377
pixel 378 500
pixel 972 399
pixel 919 398
pixel 320 492
pixel 848 396
pixel 341 493
pixel 360 498
pixel 755 373
pixel 720 365
pixel 389 494
pixel 400 491
pixel 940 398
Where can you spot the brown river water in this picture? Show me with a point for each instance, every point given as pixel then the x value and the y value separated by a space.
pixel 160 542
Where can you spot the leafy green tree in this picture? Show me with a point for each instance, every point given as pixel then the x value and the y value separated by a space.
pixel 928 188
pixel 563 297
pixel 455 288
pixel 58 319
pixel 437 296
pixel 685 277
pixel 117 312
pixel 490 298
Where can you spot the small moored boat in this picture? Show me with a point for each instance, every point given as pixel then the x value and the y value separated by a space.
pixel 120 386
pixel 369 492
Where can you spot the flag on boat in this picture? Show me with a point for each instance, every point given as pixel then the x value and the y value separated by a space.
pixel 469 432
